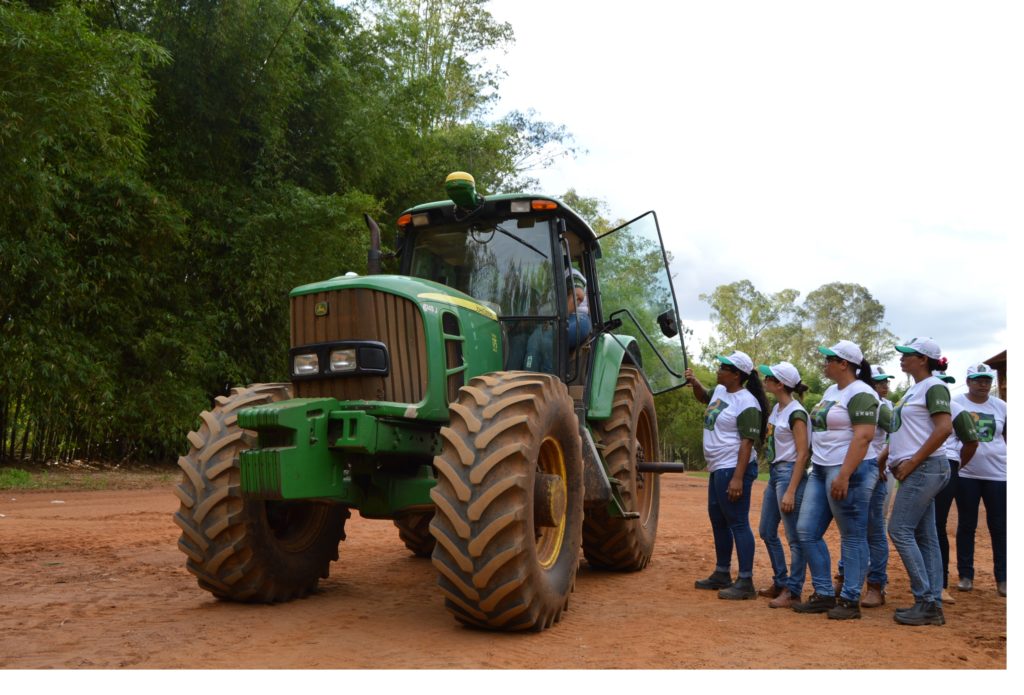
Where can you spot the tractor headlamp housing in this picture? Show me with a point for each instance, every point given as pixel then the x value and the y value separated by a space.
pixel 305 364
pixel 340 359
pixel 343 360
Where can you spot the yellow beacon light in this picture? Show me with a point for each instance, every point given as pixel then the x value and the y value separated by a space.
pixel 461 188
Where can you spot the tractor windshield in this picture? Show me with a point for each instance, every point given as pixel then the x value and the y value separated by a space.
pixel 503 264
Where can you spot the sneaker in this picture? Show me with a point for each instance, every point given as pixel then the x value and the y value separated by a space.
pixel 816 604
pixel 947 597
pixel 1001 588
pixel 717 580
pixel 771 592
pixel 874 596
pixel 965 584
pixel 784 600
pixel 922 614
pixel 844 610
pixel 740 590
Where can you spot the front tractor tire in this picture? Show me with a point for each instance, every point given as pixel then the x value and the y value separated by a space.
pixel 628 437
pixel 509 502
pixel 245 550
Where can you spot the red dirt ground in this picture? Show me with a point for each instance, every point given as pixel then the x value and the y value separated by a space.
pixel 95 580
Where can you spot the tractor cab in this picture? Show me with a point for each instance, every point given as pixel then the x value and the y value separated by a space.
pixel 556 291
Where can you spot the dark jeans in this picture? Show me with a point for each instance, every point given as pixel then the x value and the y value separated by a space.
pixel 969 494
pixel 943 501
pixel 730 521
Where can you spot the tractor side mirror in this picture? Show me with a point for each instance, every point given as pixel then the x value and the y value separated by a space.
pixel 667 321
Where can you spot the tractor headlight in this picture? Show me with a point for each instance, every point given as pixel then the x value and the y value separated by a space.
pixel 305 364
pixel 343 360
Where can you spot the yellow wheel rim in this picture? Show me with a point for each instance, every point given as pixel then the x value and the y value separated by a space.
pixel 549 539
pixel 646 448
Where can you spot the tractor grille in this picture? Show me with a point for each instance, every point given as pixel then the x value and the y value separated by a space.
pixel 362 314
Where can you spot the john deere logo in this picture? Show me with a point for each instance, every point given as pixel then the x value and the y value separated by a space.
pixel 321 309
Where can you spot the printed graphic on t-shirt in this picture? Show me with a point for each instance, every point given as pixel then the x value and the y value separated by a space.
pixel 715 409
pixel 897 417
pixel 985 423
pixel 819 415
pixel 769 444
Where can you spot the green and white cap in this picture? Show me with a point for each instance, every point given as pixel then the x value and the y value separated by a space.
pixel 785 372
pixel 738 359
pixel 980 371
pixel 922 346
pixel 844 350
pixel 878 375
pixel 945 377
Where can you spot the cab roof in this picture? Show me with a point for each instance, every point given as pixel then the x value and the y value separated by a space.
pixel 443 211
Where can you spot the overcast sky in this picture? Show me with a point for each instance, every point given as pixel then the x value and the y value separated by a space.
pixel 797 143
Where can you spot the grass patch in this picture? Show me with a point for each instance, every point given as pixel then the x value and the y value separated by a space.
pixel 59 479
pixel 15 479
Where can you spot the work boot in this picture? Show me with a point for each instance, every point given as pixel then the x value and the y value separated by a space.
pixel 874 596
pixel 784 600
pixel 965 584
pixel 1001 588
pixel 923 613
pixel 909 609
pixel 741 589
pixel 844 610
pixel 717 580
pixel 771 592
pixel 816 604
pixel 947 597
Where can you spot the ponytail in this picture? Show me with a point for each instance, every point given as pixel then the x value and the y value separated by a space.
pixel 756 388
pixel 937 365
pixel 800 389
pixel 865 374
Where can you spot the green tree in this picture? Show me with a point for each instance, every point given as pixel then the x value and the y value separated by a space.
pixel 765 326
pixel 847 311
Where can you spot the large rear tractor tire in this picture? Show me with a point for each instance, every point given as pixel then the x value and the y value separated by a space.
pixel 248 550
pixel 509 502
pixel 629 437
pixel 414 530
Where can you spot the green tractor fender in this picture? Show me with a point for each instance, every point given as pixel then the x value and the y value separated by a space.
pixel 610 351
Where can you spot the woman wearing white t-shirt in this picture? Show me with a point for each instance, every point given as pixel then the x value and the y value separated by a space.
pixel 787 450
pixel 921 422
pixel 733 423
pixel 878 538
pixel 984 478
pixel 843 476
pixel 959 447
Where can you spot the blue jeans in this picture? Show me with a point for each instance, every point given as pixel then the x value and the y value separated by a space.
pixel 851 515
pixel 878 538
pixel 971 491
pixel 771 514
pixel 730 521
pixel 912 527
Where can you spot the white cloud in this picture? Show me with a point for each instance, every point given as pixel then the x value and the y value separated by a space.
pixel 798 143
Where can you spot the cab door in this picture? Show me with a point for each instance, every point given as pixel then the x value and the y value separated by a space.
pixel 637 299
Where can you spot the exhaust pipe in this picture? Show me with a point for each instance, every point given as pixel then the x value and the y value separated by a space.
pixel 662 467
pixel 373 256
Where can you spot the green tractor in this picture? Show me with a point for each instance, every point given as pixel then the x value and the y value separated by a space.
pixel 494 400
